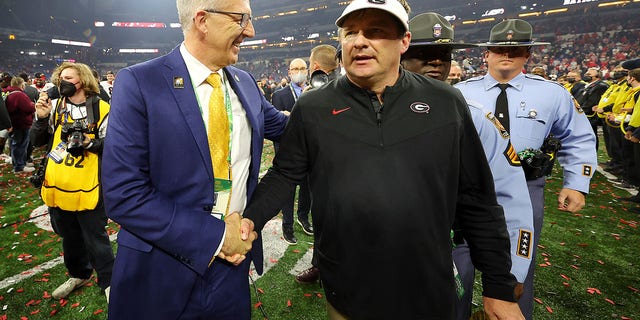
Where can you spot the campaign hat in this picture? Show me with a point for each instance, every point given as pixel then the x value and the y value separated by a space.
pixel 432 29
pixel 512 33
pixel 631 64
pixel 392 7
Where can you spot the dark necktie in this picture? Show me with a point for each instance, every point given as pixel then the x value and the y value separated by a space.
pixel 502 106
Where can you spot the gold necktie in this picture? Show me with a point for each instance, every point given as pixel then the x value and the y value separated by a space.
pixel 218 133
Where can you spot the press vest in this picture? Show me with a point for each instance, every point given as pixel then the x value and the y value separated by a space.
pixel 73 183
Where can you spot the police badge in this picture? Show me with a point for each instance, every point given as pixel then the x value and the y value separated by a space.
pixel 437 30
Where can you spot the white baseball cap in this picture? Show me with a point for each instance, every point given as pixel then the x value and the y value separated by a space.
pixel 391 6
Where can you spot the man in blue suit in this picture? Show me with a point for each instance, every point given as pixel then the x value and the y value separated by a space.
pixel 180 253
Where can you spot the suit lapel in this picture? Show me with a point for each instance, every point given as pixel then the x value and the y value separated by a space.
pixel 237 86
pixel 187 103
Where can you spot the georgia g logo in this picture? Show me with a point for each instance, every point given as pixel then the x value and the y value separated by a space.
pixel 420 107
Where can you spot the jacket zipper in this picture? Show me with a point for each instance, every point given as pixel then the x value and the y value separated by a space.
pixel 377 108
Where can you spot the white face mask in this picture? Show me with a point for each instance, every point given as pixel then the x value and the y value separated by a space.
pixel 299 77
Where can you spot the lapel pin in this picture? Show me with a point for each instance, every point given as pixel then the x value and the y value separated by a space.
pixel 178 83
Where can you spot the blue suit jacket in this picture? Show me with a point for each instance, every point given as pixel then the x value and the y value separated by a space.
pixel 158 183
pixel 283 99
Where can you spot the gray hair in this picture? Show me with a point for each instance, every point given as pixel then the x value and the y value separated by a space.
pixel 187 9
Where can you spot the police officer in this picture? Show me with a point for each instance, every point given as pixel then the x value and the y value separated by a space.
pixel 535 108
pixel 429 54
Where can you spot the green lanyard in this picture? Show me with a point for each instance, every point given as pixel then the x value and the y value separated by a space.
pixel 227 105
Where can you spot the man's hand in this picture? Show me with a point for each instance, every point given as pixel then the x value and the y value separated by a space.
pixel 246 229
pixel 234 247
pixel 43 106
pixel 501 310
pixel 570 200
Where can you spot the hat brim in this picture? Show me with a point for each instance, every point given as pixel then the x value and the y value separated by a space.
pixel 631 64
pixel 452 45
pixel 513 44
pixel 396 10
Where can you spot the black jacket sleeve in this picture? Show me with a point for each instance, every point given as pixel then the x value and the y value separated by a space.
pixel 5 121
pixel 39 133
pixel 289 168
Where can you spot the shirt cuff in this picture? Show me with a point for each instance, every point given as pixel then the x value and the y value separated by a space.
pixel 219 247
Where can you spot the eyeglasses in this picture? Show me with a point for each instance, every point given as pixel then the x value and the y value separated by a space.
pixel 298 69
pixel 244 19
pixel 512 51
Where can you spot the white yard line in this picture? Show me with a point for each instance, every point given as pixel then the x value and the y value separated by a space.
pixel 274 249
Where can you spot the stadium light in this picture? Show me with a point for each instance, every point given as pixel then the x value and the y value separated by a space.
pixel 529 14
pixel 138 51
pixel 556 11
pixel 71 43
pixel 98 24
pixel 487 20
pixel 614 3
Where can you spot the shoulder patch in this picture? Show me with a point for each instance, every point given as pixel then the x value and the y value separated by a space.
pixel 534 77
pixel 524 244
pixel 512 156
pixel 498 125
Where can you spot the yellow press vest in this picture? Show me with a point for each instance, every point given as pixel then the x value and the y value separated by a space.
pixel 73 184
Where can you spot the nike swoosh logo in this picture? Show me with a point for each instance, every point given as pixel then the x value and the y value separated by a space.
pixel 334 111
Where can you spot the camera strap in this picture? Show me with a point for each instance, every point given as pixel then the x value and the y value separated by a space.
pixel 93 108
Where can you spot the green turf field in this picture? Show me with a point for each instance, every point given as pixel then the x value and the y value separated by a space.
pixel 587 262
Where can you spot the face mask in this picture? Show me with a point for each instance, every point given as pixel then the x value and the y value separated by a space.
pixel 299 77
pixel 571 80
pixel 67 89
pixel 587 78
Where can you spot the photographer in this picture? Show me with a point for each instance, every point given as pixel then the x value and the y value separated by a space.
pixel 74 127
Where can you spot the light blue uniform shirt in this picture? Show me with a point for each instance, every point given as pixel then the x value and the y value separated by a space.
pixel 510 186
pixel 537 108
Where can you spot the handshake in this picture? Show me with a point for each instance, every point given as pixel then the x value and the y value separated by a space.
pixel 238 238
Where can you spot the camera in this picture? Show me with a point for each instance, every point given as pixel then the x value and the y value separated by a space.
pixel 73 134
pixel 318 79
pixel 37 178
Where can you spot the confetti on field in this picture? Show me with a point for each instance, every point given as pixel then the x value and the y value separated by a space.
pixel 257 305
pixel 537 300
pixel 593 290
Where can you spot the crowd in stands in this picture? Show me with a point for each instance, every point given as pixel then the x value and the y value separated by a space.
pixel 577 43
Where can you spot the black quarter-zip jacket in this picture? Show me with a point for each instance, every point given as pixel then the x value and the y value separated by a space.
pixel 387 181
